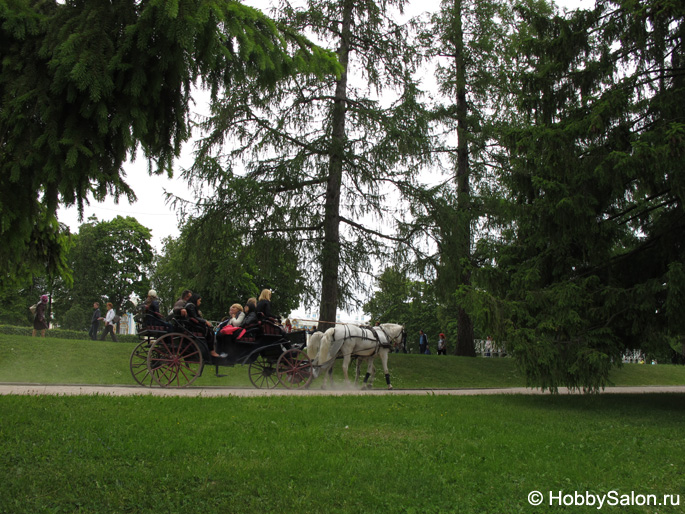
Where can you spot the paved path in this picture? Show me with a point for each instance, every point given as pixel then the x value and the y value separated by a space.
pixel 103 390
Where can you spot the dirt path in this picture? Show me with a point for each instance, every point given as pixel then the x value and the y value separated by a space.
pixel 75 390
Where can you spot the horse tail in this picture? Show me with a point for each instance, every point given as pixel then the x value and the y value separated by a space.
pixel 313 345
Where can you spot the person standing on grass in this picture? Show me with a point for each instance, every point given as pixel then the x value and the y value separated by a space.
pixel 423 342
pixel 39 321
pixel 442 344
pixel 109 323
pixel 95 322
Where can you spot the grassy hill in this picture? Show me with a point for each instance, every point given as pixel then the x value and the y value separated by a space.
pixel 35 360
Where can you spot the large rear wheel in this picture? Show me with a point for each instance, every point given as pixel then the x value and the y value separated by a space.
pixel 175 360
pixel 294 369
pixel 262 372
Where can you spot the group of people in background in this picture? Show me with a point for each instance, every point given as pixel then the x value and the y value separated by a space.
pixel 110 320
pixel 424 348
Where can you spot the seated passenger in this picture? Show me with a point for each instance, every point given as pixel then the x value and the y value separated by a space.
pixel 264 305
pixel 153 317
pixel 179 309
pixel 250 313
pixel 237 315
pixel 203 326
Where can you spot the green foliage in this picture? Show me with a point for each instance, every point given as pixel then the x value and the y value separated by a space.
pixel 17 298
pixel 314 161
pixel 85 84
pixel 398 299
pixel 111 261
pixel 60 333
pixel 225 266
pixel 591 260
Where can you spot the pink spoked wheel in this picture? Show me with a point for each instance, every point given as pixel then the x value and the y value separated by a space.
pixel 294 369
pixel 175 360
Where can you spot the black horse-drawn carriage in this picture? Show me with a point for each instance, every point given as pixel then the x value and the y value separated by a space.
pixel 176 356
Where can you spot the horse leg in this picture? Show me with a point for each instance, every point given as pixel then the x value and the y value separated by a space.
pixel 384 360
pixel 345 365
pixel 370 373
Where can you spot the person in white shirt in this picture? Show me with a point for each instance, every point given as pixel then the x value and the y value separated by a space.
pixel 109 323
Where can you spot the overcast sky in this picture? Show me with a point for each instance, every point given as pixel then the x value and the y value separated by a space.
pixel 150 208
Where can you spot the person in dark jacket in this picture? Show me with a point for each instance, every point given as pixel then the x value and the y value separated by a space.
pixel 39 322
pixel 202 325
pixel 250 313
pixel 264 305
pixel 153 316
pixel 95 322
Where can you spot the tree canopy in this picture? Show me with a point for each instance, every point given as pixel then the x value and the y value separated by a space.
pixel 313 161
pixel 111 262
pixel 226 268
pixel 86 85
pixel 591 262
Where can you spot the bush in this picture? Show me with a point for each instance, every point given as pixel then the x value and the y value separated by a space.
pixel 60 333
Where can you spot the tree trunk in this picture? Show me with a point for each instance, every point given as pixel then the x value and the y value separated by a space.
pixel 330 261
pixel 462 231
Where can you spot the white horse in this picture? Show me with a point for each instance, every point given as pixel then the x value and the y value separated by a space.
pixel 349 340
pixel 313 347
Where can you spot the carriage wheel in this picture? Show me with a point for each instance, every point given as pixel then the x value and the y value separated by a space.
pixel 138 364
pixel 262 373
pixel 175 360
pixel 294 369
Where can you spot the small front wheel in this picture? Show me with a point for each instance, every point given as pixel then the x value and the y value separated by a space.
pixel 294 369
pixel 262 373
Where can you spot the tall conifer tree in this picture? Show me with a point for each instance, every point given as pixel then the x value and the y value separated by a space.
pixel 315 161
pixel 468 42
pixel 594 261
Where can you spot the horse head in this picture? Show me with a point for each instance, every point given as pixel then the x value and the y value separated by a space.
pixel 395 332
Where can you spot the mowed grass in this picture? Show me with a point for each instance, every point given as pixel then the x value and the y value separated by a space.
pixel 353 454
pixel 56 361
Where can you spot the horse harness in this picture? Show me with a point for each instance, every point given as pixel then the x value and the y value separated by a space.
pixel 376 336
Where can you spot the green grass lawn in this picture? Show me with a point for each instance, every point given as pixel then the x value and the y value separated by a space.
pixel 354 454
pixel 35 360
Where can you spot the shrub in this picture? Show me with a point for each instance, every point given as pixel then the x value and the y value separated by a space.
pixel 61 333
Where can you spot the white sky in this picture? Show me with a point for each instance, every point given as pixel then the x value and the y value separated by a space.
pixel 150 208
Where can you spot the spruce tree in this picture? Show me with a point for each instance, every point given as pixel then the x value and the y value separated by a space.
pixel 86 85
pixel 468 41
pixel 592 263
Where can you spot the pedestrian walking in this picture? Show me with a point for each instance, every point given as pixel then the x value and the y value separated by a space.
pixel 109 322
pixel 95 322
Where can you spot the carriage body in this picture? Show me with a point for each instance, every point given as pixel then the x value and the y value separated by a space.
pixel 177 358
